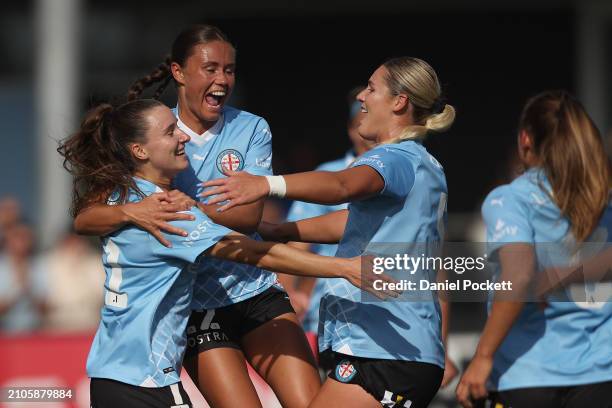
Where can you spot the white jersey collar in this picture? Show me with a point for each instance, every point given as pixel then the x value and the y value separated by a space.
pixel 201 139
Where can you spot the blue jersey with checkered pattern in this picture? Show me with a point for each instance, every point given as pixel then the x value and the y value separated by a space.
pixel 239 141
pixel 568 342
pixel 410 209
pixel 300 210
pixel 148 290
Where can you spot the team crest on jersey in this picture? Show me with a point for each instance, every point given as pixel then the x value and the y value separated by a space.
pixel 345 371
pixel 230 160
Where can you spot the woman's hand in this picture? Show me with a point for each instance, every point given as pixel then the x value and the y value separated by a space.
pixel 472 385
pixel 363 277
pixel 154 213
pixel 180 199
pixel 450 372
pixel 238 187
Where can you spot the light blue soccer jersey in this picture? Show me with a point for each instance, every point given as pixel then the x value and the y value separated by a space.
pixel 239 141
pixel 566 343
pixel 411 208
pixel 148 291
pixel 300 210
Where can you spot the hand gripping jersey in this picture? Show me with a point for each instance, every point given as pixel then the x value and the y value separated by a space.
pixel 301 210
pixel 410 209
pixel 239 141
pixel 568 342
pixel 148 291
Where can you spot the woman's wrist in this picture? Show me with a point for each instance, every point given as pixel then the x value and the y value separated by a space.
pixel 484 352
pixel 277 187
pixel 126 213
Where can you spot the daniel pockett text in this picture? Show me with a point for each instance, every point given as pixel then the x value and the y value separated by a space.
pixel 407 265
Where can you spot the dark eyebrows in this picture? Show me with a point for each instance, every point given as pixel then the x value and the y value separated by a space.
pixel 170 128
pixel 214 64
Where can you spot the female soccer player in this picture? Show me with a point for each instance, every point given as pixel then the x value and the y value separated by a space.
pixel 559 355
pixel 134 151
pixel 387 353
pixel 237 308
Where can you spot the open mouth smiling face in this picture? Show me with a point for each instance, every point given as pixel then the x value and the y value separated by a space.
pixel 208 77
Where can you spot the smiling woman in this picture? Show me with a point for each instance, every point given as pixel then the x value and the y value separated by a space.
pixel 398 194
pixel 123 155
pixel 244 302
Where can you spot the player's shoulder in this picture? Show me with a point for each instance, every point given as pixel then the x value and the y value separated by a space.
pixel 333 165
pixel 235 116
pixel 508 198
pixel 406 148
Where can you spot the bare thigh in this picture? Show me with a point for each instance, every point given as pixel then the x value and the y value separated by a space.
pixel 222 377
pixel 278 350
pixel 335 394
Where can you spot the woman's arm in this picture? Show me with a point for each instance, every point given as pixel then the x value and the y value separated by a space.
pixel 323 187
pixel 518 266
pixel 286 259
pixel 450 369
pixel 324 229
pixel 152 214
pixel 243 219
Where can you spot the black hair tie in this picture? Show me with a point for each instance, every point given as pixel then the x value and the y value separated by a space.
pixel 438 105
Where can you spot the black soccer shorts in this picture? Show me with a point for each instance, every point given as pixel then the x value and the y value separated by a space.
pixel 225 326
pixel 105 393
pixel 395 383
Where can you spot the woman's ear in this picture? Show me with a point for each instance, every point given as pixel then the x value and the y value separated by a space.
pixel 525 140
pixel 177 73
pixel 401 103
pixel 526 148
pixel 139 152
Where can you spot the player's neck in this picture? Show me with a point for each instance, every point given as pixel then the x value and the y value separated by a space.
pixel 160 180
pixel 192 121
pixel 395 129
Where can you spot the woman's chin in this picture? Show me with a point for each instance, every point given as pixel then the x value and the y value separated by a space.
pixel 211 113
pixel 183 163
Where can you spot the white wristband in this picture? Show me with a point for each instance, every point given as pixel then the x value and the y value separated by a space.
pixel 278 187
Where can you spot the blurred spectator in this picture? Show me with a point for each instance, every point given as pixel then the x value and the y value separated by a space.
pixel 10 214
pixel 19 292
pixel 73 277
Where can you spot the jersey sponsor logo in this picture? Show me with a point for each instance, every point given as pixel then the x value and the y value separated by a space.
pixel 373 160
pixel 345 371
pixel 502 230
pixel 230 160
pixel 196 233
pixel 265 162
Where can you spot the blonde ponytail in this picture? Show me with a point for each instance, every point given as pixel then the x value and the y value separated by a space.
pixel 417 79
